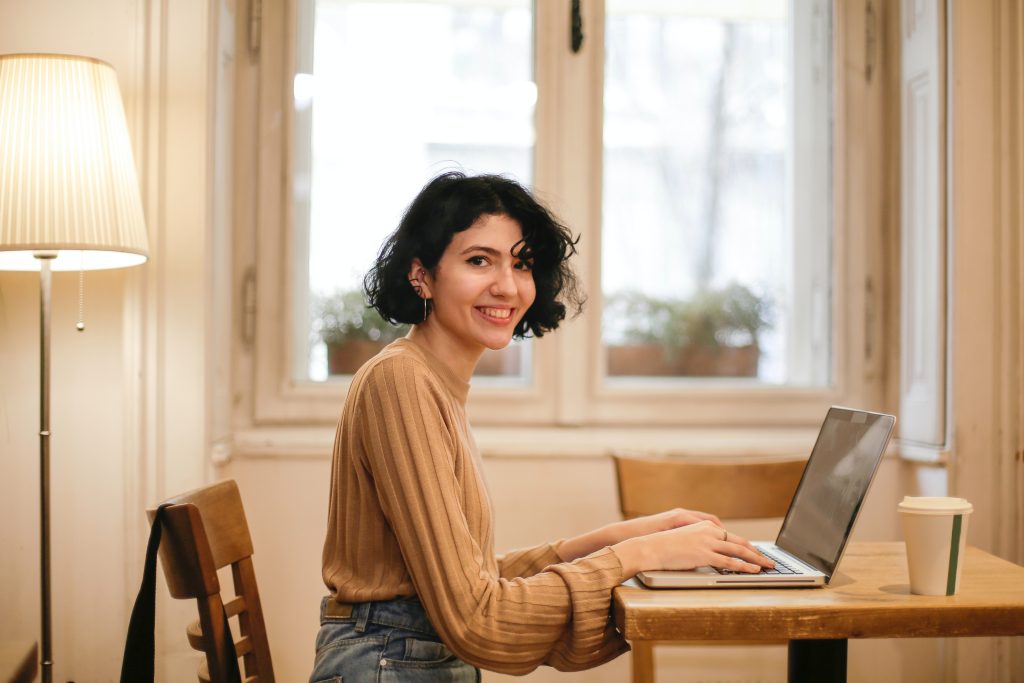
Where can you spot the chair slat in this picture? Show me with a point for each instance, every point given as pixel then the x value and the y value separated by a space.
pixel 194 631
pixel 235 606
pixel 243 646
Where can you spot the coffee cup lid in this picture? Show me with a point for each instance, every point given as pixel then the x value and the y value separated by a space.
pixel 935 505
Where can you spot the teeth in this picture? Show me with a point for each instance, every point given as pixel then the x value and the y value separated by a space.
pixel 497 312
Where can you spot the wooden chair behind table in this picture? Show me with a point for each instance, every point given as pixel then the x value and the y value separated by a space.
pixel 731 488
pixel 205 530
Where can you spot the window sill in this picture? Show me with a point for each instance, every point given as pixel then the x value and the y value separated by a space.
pixel 922 454
pixel 315 443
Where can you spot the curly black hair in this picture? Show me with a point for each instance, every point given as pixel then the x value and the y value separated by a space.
pixel 451 203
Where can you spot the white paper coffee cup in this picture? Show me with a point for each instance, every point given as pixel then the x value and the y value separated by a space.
pixel 935 529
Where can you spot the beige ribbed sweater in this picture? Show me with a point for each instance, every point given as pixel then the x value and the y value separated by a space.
pixel 410 515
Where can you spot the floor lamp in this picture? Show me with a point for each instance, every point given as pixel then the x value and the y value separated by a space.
pixel 69 200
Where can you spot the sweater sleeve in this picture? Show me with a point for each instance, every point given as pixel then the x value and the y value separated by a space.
pixel 559 616
pixel 526 562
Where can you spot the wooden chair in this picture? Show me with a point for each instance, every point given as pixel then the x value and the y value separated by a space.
pixel 731 488
pixel 205 530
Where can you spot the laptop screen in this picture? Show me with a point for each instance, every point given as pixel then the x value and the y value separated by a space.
pixel 832 489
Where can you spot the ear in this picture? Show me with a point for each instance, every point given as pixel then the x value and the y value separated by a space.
pixel 418 278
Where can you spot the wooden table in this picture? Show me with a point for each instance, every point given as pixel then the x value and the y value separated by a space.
pixel 18 661
pixel 869 597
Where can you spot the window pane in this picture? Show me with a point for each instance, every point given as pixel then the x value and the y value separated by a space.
pixel 716 206
pixel 388 95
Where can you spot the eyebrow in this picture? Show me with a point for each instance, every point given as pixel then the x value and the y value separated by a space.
pixel 491 251
pixel 476 247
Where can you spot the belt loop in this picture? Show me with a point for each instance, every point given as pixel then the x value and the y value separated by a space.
pixel 362 616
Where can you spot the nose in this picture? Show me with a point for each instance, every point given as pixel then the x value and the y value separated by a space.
pixel 504 282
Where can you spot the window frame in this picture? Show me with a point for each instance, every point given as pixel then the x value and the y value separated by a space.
pixel 567 177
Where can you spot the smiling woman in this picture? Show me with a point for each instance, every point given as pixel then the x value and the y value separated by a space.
pixel 481 290
pixel 475 262
pixel 415 586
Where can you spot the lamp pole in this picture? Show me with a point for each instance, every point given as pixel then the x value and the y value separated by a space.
pixel 45 279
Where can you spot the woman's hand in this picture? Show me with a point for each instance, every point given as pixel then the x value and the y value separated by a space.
pixel 663 521
pixel 617 532
pixel 699 544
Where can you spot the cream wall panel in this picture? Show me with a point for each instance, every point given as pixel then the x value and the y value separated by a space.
pixel 923 273
pixel 19 453
pixel 987 212
pixel 178 283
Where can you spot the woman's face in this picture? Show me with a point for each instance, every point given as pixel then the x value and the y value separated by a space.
pixel 479 290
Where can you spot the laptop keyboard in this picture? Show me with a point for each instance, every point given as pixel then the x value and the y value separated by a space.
pixel 781 568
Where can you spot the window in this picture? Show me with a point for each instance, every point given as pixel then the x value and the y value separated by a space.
pixel 702 149
pixel 388 94
pixel 715 197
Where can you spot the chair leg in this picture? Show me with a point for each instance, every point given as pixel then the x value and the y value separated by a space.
pixel 643 662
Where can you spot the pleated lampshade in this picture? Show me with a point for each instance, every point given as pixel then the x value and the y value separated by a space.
pixel 67 177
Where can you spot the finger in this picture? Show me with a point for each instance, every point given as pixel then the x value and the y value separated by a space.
pixel 681 517
pixel 721 533
pixel 750 555
pixel 736 538
pixel 734 564
pixel 708 517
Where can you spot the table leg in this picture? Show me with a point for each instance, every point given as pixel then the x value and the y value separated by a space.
pixel 643 661
pixel 817 661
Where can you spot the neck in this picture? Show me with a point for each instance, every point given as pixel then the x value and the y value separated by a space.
pixel 456 356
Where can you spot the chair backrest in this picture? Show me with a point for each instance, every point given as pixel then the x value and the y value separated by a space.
pixel 731 488
pixel 205 530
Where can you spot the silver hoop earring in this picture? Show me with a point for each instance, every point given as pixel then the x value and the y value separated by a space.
pixel 418 288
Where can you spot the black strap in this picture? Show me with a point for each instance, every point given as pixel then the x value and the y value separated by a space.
pixel 137 664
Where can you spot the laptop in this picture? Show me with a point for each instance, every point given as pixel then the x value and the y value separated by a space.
pixel 820 516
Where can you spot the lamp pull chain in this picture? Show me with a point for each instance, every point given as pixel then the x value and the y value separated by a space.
pixel 80 325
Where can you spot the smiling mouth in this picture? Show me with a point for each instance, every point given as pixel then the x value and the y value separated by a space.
pixel 496 313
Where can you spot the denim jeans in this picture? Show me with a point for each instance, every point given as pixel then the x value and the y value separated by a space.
pixel 390 640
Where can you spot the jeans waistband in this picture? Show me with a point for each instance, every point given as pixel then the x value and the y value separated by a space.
pixel 407 613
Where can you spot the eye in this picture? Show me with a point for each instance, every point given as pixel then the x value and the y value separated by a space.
pixel 524 265
pixel 477 260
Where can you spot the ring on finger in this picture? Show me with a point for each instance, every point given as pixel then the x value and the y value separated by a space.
pixel 725 537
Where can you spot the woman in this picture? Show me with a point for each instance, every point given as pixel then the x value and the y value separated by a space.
pixel 416 590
